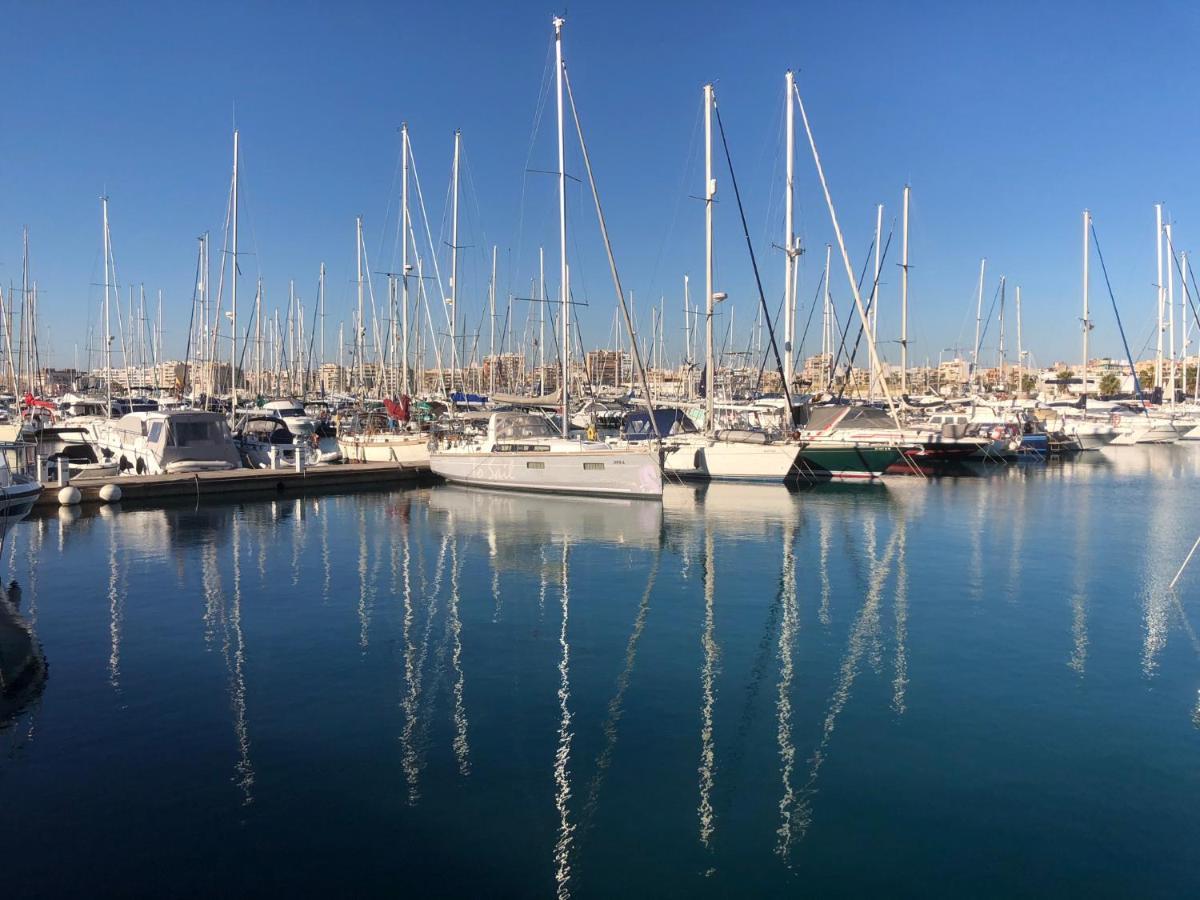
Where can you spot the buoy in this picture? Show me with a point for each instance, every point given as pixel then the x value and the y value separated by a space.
pixel 110 493
pixel 68 496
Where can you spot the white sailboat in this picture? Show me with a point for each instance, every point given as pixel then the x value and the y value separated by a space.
pixel 521 451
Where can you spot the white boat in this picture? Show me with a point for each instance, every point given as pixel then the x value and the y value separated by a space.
pixel 522 451
pixel 18 488
pixel 409 448
pixel 261 436
pixel 157 443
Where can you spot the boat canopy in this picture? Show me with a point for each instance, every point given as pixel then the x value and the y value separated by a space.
pixel 825 418
pixel 669 421
pixel 515 426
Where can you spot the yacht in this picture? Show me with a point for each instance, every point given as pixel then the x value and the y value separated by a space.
pixel 258 434
pixel 522 451
pixel 157 443
pixel 18 488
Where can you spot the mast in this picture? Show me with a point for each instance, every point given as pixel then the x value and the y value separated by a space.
pixel 827 323
pixel 360 328
pixel 321 301
pixel 1087 322
pixel 710 190
pixel 564 284
pixel 904 298
pixel 978 321
pixel 107 301
pixel 403 260
pixel 1171 311
pixel 875 294
pixel 454 249
pixel 1158 360
pixel 789 237
pixel 541 320
pixel 1000 349
pixel 258 348
pixel 234 284
pixel 1020 353
pixel 492 349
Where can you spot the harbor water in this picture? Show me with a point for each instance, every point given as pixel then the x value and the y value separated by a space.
pixel 977 685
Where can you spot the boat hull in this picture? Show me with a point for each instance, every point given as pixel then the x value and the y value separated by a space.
pixel 609 473
pixel 405 449
pixel 847 462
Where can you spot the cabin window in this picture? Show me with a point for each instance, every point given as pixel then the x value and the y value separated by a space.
pixel 522 426
pixel 535 465
pixel 155 433
pixel 186 433
pixel 593 467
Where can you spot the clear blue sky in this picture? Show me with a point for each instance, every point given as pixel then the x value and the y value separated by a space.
pixel 1007 119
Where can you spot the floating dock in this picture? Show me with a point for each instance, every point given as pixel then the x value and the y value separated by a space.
pixel 149 488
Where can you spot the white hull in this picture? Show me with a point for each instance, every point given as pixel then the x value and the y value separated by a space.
pixel 1145 432
pixel 406 449
pixel 621 473
pixel 732 460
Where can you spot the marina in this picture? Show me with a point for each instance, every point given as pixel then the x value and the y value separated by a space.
pixel 462 452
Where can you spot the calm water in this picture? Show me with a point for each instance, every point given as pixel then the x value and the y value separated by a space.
pixel 967 686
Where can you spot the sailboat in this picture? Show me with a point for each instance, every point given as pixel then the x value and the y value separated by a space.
pixel 521 451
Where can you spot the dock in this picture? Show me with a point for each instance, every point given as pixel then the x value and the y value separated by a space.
pixel 214 485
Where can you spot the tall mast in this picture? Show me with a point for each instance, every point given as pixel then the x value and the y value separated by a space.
pixel 875 293
pixel 454 251
pixel 904 298
pixel 1020 352
pixel 258 348
pixel 403 258
pixel 1087 321
pixel 1158 231
pixel 359 326
pixel 541 320
pixel 107 301
pixel 564 275
pixel 789 237
pixel 234 285
pixel 978 321
pixel 827 323
pixel 710 190
pixel 492 349
pixel 1171 310
pixel 1000 349
pixel 321 301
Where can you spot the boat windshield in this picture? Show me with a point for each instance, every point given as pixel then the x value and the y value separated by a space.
pixel 514 427
pixel 197 432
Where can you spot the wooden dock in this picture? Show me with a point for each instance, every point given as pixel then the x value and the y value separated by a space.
pixel 213 485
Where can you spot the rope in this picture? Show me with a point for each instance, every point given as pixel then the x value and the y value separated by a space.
pixel 1137 385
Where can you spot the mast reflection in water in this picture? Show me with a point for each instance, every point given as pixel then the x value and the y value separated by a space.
pixel 739 691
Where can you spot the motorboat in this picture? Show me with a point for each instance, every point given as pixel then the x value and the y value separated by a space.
pixel 162 442
pixel 522 451
pixel 266 440
pixel 19 489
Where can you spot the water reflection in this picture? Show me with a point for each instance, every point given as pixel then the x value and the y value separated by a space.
pixel 406 604
pixel 23 669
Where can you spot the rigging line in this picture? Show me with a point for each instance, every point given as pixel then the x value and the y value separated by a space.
pixel 538 112
pixel 428 235
pixel 1178 268
pixel 680 195
pixel 870 302
pixel 787 394
pixel 1137 386
pixel 987 322
pixel 845 330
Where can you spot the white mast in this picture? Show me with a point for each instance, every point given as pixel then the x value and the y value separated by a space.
pixel 978 321
pixel 359 325
pixel 107 334
pixel 541 292
pixel 564 285
pixel 1171 311
pixel 789 237
pixel 1020 353
pixel 904 299
pixel 321 302
pixel 872 385
pixel 710 190
pixel 1087 321
pixel 827 323
pixel 454 256
pixel 492 349
pixel 403 259
pixel 1158 360
pixel 233 285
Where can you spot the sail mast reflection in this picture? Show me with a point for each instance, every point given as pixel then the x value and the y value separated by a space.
pixel 783 704
pixel 237 672
pixel 708 692
pixel 900 676
pixel 116 613
pixel 461 747
pixel 562 755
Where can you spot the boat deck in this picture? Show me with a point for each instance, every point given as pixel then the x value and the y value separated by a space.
pixel 148 488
